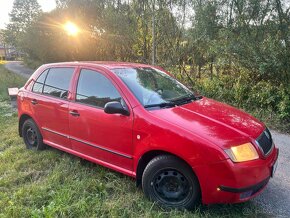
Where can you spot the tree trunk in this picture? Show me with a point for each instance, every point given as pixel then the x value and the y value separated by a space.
pixel 211 68
pixel 199 69
pixel 283 23
pixel 153 35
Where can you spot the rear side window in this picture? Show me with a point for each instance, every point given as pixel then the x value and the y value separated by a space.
pixel 57 82
pixel 95 89
pixel 39 83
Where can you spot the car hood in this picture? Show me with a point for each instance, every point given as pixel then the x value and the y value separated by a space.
pixel 217 122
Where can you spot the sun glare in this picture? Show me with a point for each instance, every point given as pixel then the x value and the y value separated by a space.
pixel 71 29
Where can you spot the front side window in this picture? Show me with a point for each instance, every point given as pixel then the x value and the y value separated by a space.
pixel 95 89
pixel 39 83
pixel 154 88
pixel 57 82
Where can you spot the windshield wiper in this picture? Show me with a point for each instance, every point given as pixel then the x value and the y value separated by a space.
pixel 183 100
pixel 161 105
pixel 175 102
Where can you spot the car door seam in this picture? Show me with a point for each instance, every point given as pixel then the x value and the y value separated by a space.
pixel 87 143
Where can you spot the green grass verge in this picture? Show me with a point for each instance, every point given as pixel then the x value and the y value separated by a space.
pixel 52 183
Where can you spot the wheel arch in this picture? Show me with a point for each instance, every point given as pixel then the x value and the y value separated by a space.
pixel 147 157
pixel 22 119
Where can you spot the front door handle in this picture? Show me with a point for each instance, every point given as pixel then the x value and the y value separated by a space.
pixel 34 102
pixel 74 113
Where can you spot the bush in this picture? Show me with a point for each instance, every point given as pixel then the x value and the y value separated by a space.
pixel 264 96
pixel 263 99
pixel 284 105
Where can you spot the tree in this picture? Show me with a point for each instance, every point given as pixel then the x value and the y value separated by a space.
pixel 23 13
pixel 204 33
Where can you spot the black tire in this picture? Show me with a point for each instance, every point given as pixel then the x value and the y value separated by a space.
pixel 171 183
pixel 32 136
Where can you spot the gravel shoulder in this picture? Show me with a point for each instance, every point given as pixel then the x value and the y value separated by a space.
pixel 275 199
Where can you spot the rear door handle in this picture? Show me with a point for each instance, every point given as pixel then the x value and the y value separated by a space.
pixel 34 102
pixel 74 113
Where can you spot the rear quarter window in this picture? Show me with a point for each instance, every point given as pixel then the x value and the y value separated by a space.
pixel 39 83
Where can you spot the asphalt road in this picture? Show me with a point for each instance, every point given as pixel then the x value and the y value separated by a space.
pixel 275 199
pixel 18 68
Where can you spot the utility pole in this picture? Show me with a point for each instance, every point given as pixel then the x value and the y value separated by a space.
pixel 153 35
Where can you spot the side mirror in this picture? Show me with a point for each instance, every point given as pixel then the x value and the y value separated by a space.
pixel 115 107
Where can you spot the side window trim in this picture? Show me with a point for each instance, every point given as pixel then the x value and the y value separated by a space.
pixel 45 80
pixel 35 81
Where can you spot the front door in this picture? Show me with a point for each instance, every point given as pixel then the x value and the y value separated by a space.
pixel 106 138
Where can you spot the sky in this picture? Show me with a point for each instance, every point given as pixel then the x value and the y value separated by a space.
pixel 6 7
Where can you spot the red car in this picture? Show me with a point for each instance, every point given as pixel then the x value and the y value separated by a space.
pixel 138 120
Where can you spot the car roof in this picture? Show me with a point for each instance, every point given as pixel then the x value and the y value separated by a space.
pixel 106 64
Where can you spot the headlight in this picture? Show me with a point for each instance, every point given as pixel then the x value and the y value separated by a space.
pixel 244 152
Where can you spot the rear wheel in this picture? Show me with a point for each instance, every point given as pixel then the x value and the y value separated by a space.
pixel 32 136
pixel 170 182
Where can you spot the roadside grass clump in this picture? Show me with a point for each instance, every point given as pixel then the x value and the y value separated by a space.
pixel 52 183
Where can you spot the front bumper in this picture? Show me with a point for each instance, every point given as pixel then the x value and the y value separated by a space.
pixel 228 182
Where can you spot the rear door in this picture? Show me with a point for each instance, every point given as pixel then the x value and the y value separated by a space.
pixel 106 138
pixel 49 104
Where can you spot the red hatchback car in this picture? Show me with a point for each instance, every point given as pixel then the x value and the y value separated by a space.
pixel 138 120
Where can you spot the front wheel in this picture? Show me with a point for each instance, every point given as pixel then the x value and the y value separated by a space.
pixel 170 182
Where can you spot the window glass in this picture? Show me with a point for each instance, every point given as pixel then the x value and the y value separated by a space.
pixel 95 89
pixel 38 85
pixel 152 86
pixel 57 82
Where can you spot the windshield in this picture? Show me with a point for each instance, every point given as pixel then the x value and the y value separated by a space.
pixel 154 88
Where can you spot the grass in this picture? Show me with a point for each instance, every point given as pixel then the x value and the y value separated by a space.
pixel 52 183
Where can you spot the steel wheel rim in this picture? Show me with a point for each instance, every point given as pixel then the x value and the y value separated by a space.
pixel 171 187
pixel 31 136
